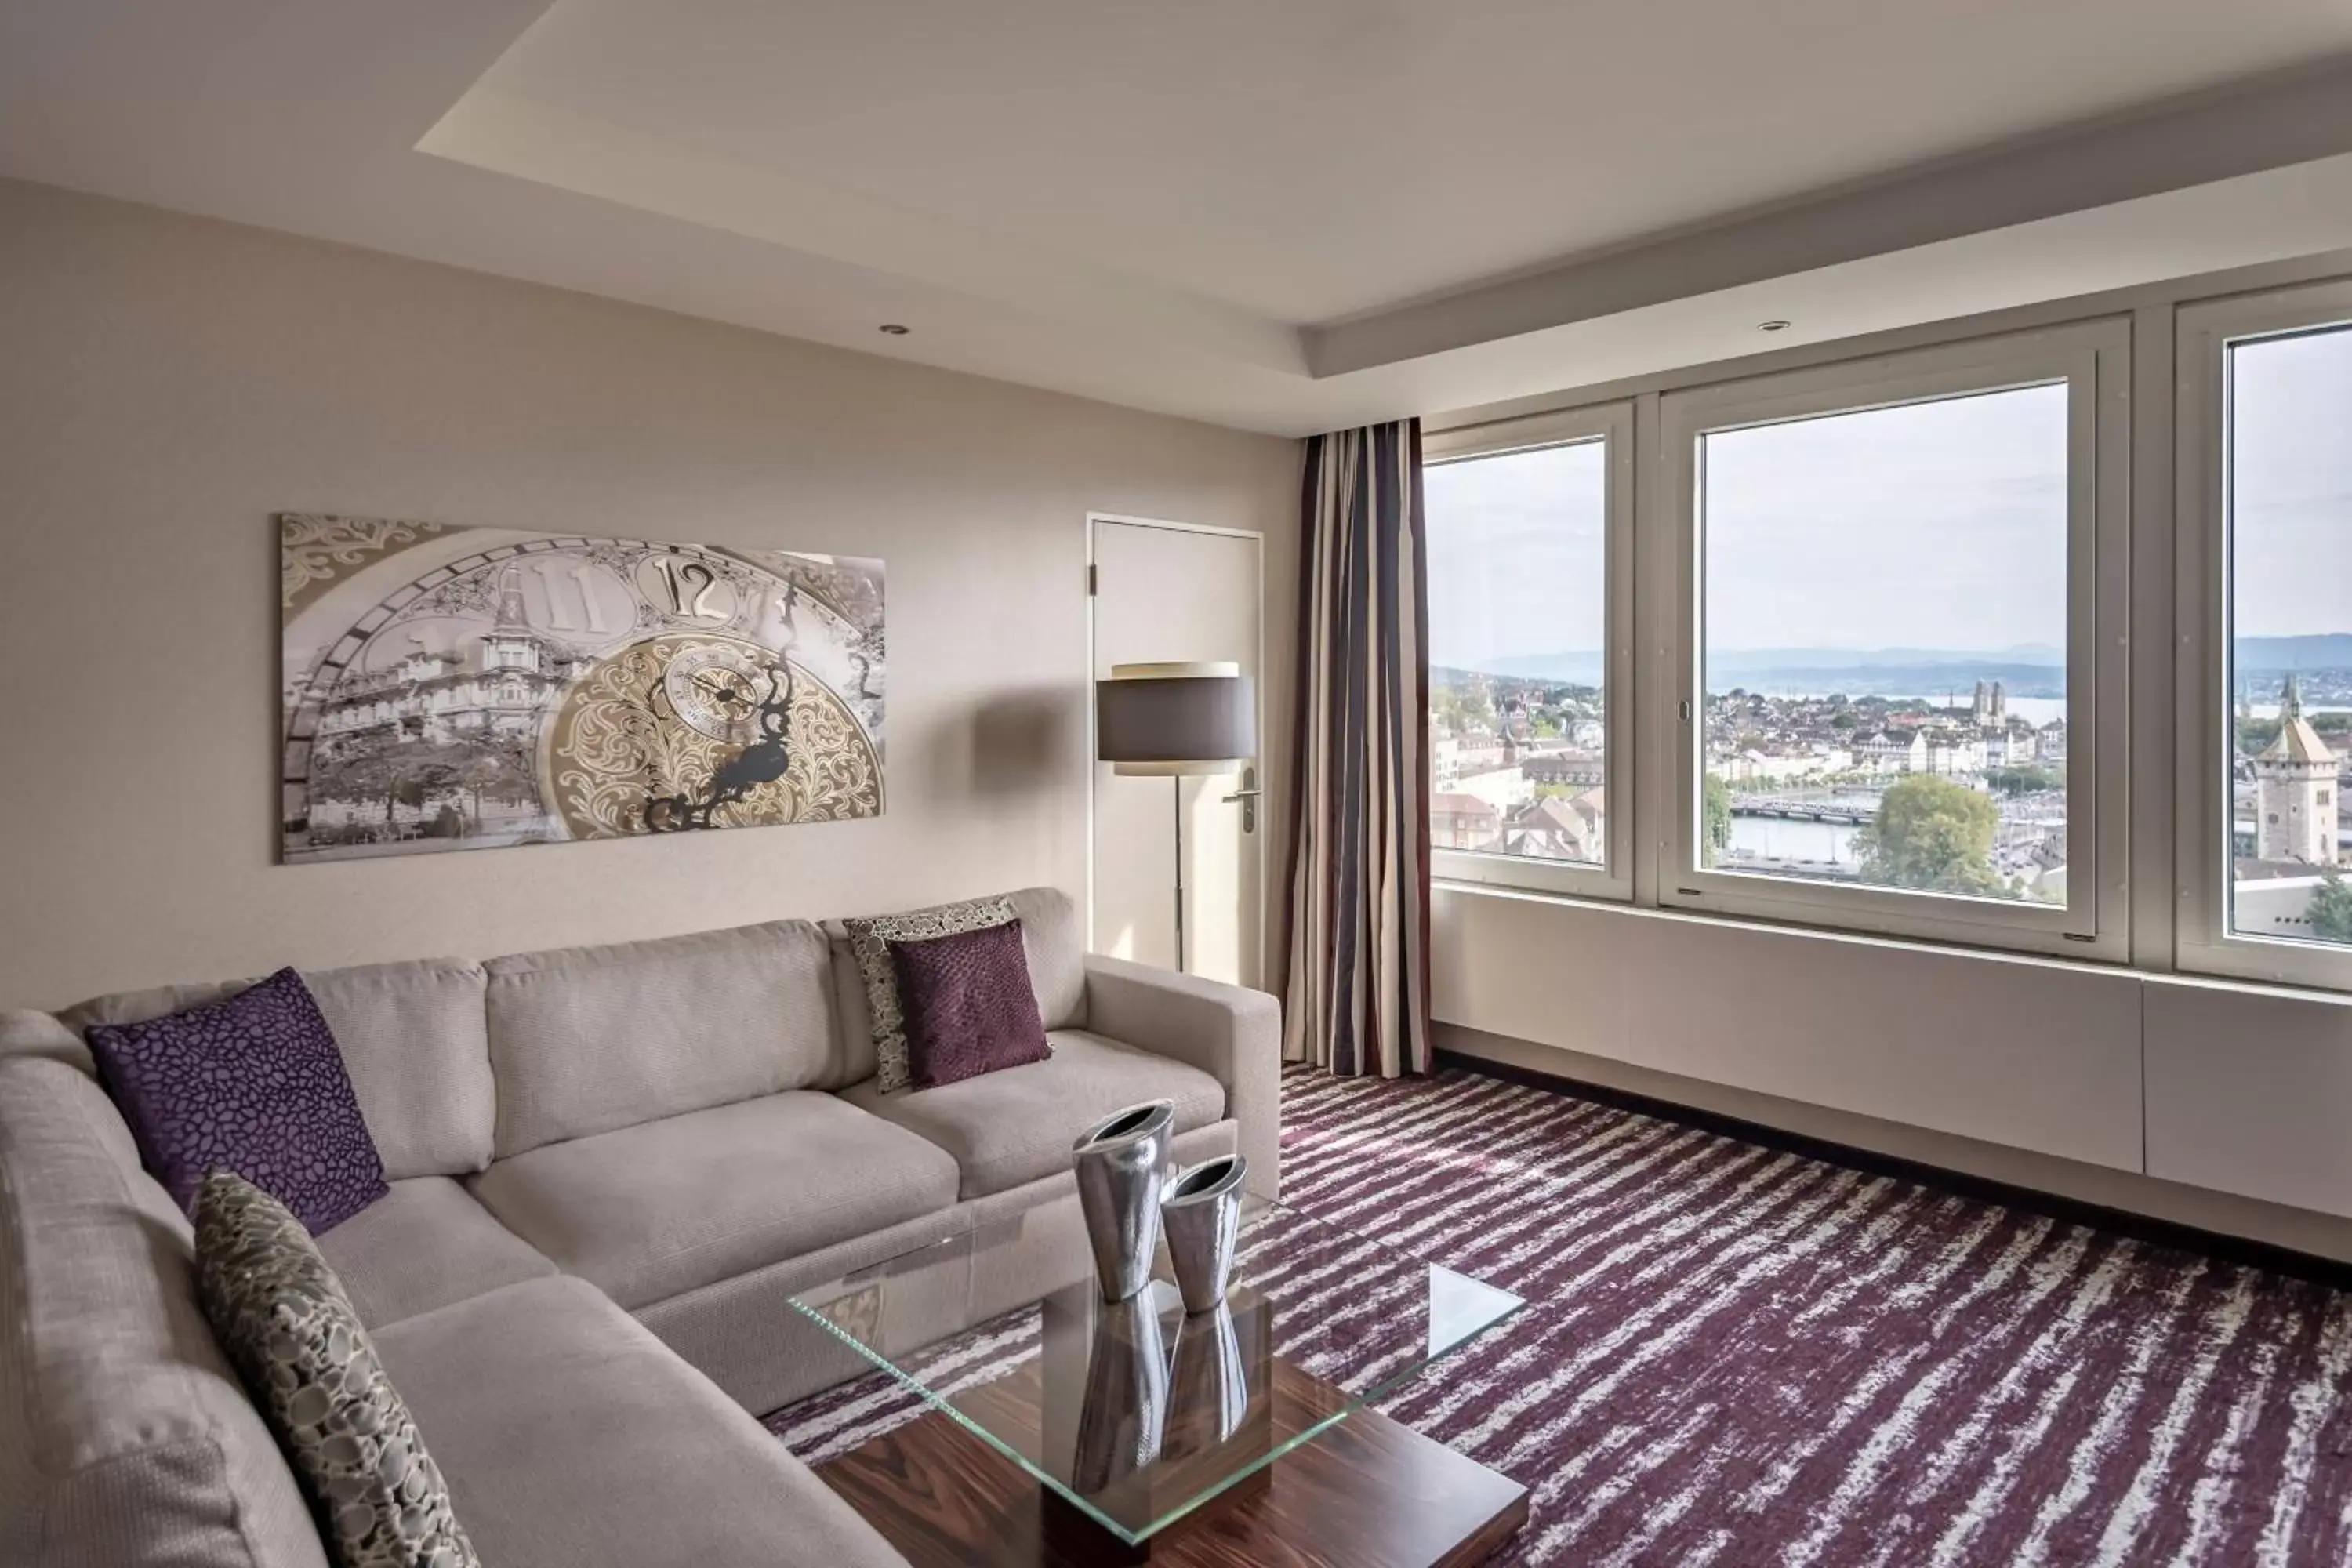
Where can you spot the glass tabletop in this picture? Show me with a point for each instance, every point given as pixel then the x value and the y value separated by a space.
pixel 1135 1411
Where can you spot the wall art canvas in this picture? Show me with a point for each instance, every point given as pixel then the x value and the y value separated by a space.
pixel 453 687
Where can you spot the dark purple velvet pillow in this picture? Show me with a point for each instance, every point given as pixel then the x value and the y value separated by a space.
pixel 251 1084
pixel 969 1005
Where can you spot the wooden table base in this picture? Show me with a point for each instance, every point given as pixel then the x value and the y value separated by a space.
pixel 1365 1493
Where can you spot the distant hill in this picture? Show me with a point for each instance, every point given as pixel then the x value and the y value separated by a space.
pixel 2331 651
pixel 2027 669
pixel 1958 678
pixel 1577 669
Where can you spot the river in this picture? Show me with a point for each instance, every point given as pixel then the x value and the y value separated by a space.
pixel 1777 839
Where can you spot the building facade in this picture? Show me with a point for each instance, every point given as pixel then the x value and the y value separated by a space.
pixel 2294 778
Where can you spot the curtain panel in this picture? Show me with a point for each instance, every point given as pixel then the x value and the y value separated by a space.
pixel 1357 995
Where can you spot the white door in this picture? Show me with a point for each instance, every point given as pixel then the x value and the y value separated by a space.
pixel 1165 593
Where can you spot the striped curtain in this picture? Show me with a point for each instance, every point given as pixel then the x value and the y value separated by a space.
pixel 1358 912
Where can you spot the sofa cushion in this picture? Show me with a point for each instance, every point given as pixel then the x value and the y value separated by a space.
pixel 968 1004
pixel 124 1436
pixel 570 1437
pixel 648 1211
pixel 1049 934
pixel 282 1316
pixel 854 1059
pixel 423 1245
pixel 1057 955
pixel 1014 1126
pixel 412 1038
pixel 588 1039
pixel 870 937
pixel 251 1083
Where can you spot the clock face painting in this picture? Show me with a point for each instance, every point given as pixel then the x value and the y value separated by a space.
pixel 471 688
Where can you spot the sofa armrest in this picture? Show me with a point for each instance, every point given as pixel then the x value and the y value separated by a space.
pixel 29 1033
pixel 1232 1033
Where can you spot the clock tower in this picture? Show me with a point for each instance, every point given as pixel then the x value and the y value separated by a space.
pixel 2295 779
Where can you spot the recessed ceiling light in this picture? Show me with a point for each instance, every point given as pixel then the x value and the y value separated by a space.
pixel 895 330
pixel 1772 326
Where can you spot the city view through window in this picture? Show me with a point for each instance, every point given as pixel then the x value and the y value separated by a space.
pixel 1884 652
pixel 1517 598
pixel 2289 541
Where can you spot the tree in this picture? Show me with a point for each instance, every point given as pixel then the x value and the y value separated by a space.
pixel 2331 908
pixel 1715 803
pixel 1933 835
pixel 2024 780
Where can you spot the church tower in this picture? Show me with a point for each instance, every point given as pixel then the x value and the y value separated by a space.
pixel 2296 775
pixel 511 643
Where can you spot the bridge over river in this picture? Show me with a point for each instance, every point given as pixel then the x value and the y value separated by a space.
pixel 1848 811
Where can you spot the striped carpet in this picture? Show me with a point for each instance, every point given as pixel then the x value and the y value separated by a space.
pixel 1736 1355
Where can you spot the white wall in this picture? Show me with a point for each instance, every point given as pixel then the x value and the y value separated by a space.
pixel 2126 1089
pixel 167 383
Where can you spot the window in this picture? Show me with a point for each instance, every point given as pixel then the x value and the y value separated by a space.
pixel 1529 779
pixel 1887 715
pixel 2266 498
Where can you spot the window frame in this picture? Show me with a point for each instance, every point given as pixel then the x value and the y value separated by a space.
pixel 2203 614
pixel 1611 423
pixel 2092 358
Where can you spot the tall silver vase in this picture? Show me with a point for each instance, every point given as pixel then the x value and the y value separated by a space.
pixel 1122 1169
pixel 1123 1414
pixel 1202 1215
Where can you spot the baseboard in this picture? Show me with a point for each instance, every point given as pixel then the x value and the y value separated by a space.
pixel 2325 1256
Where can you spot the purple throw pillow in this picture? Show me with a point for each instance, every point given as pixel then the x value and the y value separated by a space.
pixel 968 1004
pixel 251 1084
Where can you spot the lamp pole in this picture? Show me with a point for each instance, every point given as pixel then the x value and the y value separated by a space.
pixel 1177 780
pixel 1176 719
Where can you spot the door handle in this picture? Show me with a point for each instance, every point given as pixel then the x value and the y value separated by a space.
pixel 1247 795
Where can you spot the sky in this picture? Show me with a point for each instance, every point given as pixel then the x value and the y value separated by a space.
pixel 1936 525
pixel 2291 481
pixel 1516 562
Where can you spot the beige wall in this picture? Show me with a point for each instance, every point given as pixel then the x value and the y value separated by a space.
pixel 167 383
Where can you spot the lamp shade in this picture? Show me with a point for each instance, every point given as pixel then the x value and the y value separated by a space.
pixel 1162 719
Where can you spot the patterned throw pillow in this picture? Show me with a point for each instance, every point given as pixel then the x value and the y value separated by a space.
pixel 969 1005
pixel 870 941
pixel 281 1315
pixel 252 1084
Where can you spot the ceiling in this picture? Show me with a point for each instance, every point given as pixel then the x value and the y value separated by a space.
pixel 1284 216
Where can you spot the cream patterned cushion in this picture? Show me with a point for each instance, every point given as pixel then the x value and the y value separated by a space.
pixel 289 1329
pixel 870 941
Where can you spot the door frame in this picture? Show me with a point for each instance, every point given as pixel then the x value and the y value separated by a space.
pixel 1094 638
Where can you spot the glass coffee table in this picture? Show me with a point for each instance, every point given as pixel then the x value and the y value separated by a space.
pixel 1064 1429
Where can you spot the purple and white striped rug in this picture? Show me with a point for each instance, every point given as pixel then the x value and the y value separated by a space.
pixel 1737 1355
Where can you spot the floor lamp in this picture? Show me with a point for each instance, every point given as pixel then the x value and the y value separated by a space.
pixel 1171 719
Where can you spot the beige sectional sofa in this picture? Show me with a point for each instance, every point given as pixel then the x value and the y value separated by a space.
pixel 609 1168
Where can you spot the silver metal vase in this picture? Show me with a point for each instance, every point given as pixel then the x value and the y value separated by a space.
pixel 1201 1214
pixel 1122 1170
pixel 1213 1383
pixel 1123 1413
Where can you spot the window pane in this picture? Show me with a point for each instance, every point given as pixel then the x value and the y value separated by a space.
pixel 1519 593
pixel 2290 522
pixel 1884 649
